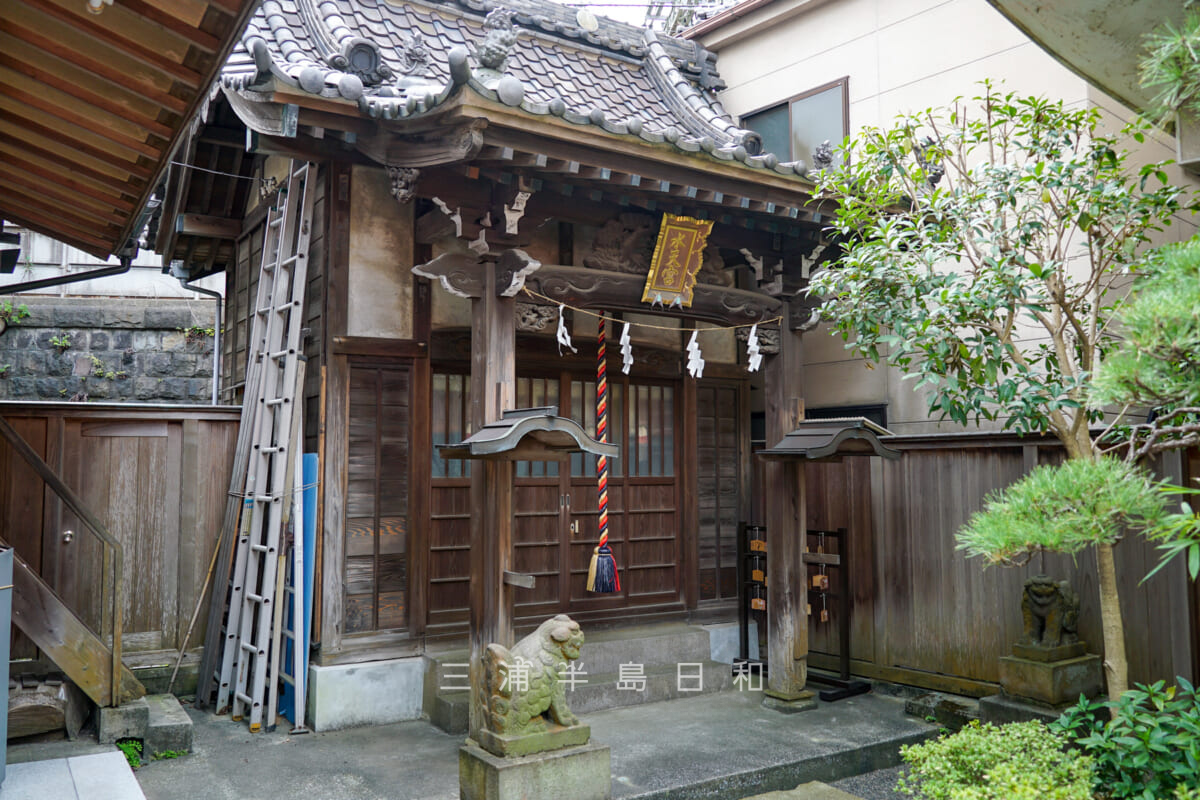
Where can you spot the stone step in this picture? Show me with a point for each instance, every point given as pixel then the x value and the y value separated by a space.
pixel 157 719
pixel 813 790
pixel 169 728
pixel 451 711
pixel 590 693
pixel 605 691
pixel 651 645
pixel 603 652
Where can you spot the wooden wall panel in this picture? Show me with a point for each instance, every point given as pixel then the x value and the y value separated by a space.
pixel 926 615
pixel 719 489
pixel 22 523
pixel 157 479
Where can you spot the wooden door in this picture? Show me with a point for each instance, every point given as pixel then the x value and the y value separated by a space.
pixel 643 497
pixel 643 502
pixel 557 504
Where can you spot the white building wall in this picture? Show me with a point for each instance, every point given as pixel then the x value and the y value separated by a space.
pixel 900 56
pixel 43 257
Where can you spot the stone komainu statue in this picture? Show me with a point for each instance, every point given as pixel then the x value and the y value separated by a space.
pixel 1051 612
pixel 521 686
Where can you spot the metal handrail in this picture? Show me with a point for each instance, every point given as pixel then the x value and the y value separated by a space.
pixel 114 554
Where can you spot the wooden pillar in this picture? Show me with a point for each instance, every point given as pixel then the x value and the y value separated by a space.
pixel 784 509
pixel 493 390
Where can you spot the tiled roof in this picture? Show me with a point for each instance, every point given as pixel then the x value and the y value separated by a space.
pixel 402 58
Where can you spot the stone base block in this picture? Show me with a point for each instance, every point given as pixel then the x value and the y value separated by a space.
pixel 578 773
pixel 789 703
pixel 1051 683
pixel 555 737
pixel 1000 709
pixel 125 722
pixel 373 693
pixel 1062 652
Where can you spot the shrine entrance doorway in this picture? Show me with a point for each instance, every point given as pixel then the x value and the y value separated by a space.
pixel 556 503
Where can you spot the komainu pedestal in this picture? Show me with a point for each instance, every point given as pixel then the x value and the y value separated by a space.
pixel 531 745
pixel 1050 667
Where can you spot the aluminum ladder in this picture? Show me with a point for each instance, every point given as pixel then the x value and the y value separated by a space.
pixel 278 320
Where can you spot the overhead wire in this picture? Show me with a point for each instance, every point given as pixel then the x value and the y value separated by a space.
pixel 651 326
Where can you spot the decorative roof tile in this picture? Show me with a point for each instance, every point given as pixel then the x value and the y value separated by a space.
pixel 401 58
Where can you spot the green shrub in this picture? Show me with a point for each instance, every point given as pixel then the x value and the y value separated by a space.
pixel 1022 761
pixel 1149 748
pixel 132 748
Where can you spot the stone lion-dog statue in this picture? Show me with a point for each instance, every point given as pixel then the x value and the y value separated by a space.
pixel 1050 612
pixel 522 690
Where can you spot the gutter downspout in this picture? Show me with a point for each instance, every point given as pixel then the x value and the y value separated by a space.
pixel 216 332
pixel 126 254
pixel 43 283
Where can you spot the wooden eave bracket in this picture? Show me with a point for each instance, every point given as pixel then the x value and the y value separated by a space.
pixel 462 274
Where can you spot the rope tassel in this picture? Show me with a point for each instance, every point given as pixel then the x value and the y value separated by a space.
pixel 602 572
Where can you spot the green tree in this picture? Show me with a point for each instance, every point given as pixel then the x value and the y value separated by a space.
pixel 984 247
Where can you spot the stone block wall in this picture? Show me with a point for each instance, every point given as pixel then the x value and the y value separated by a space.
pixel 120 350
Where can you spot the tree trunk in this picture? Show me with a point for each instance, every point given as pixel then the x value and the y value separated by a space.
pixel 1116 667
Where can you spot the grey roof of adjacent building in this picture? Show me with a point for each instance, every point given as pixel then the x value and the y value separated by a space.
pixel 402 59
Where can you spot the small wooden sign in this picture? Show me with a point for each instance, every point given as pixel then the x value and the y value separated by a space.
pixel 758 576
pixel 820 582
pixel 676 261
pixel 824 615
pixel 758 545
pixel 758 603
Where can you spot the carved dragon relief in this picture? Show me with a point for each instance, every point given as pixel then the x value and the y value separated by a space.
pixel 533 318
pixel 768 339
pixel 626 244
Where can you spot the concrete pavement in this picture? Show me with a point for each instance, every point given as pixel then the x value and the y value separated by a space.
pixel 724 746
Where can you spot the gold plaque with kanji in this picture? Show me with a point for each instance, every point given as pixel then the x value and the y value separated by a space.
pixel 676 262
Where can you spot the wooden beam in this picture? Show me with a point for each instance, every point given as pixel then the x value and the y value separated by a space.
pixel 100 102
pixel 591 288
pixel 101 69
pixel 231 8
pixel 493 389
pixel 32 191
pixel 379 348
pixel 168 17
pixel 80 121
pixel 208 226
pixel 785 512
pixel 23 148
pixel 336 409
pixel 15 166
pixel 29 126
pixel 40 222
pixel 125 45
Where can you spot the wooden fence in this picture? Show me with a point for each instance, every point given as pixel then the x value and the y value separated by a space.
pixel 923 614
pixel 156 476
